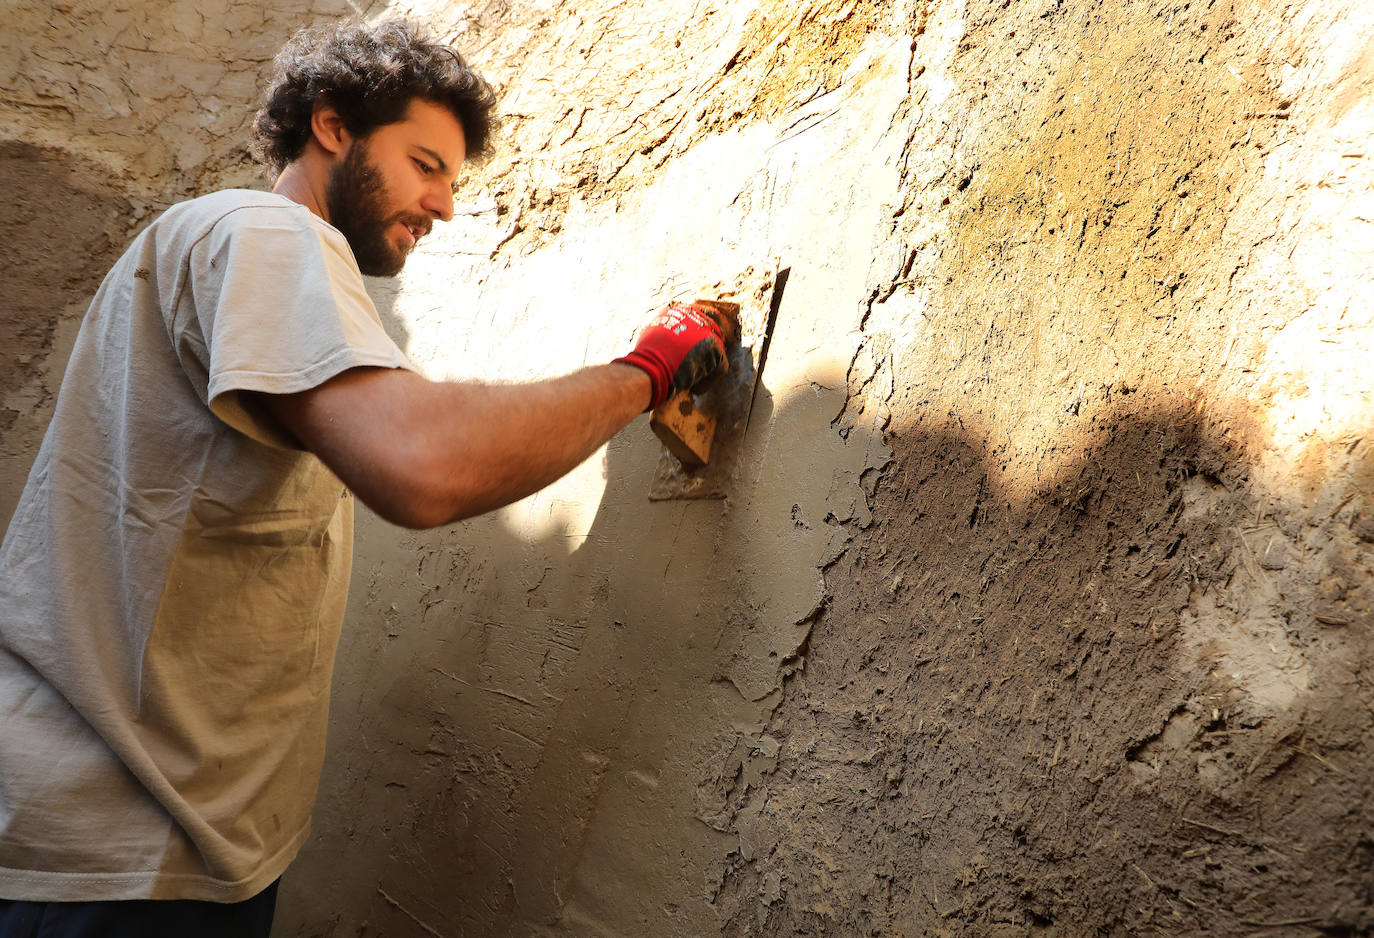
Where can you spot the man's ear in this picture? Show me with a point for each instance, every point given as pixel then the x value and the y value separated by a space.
pixel 328 129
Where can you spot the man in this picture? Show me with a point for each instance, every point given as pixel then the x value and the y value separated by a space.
pixel 172 583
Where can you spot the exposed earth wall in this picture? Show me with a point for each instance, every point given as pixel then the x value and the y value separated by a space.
pixel 1040 603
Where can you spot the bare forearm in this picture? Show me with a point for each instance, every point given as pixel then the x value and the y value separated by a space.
pixel 488 445
pixel 423 453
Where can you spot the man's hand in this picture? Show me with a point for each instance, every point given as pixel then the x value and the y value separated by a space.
pixel 681 347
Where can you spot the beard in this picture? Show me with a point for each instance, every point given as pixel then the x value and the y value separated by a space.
pixel 356 199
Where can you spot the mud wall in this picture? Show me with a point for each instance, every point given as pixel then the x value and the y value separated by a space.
pixel 1041 604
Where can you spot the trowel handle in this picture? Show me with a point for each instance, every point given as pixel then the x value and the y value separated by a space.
pixel 678 422
pixel 684 429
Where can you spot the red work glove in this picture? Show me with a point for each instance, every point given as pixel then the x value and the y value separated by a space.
pixel 681 347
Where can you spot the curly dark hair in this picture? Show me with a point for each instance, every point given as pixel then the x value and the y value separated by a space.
pixel 369 74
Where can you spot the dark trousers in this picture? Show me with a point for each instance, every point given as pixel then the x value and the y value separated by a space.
pixel 140 918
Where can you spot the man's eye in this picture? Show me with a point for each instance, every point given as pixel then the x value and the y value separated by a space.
pixel 425 168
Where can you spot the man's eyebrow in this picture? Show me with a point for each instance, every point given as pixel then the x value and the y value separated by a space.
pixel 443 166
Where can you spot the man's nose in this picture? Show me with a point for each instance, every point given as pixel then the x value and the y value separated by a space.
pixel 439 203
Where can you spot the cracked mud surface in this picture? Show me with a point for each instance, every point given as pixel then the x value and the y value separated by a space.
pixel 1082 674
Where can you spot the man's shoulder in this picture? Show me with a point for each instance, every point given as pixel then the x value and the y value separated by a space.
pixel 235 205
pixel 236 216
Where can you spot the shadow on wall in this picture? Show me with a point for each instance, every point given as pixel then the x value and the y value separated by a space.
pixel 1137 703
pixel 1132 702
pixel 61 227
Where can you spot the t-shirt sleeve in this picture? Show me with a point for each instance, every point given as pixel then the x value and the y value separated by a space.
pixel 280 308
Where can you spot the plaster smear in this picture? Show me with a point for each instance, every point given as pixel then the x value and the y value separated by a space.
pixel 596 679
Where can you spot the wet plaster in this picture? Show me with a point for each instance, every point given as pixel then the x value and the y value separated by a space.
pixel 568 703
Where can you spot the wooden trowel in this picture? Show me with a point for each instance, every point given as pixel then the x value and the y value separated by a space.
pixel 704 432
pixel 684 428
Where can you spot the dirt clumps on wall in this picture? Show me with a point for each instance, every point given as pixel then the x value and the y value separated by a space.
pixel 1101 663
pixel 1067 418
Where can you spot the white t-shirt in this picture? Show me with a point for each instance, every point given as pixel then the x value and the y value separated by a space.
pixel 173 581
